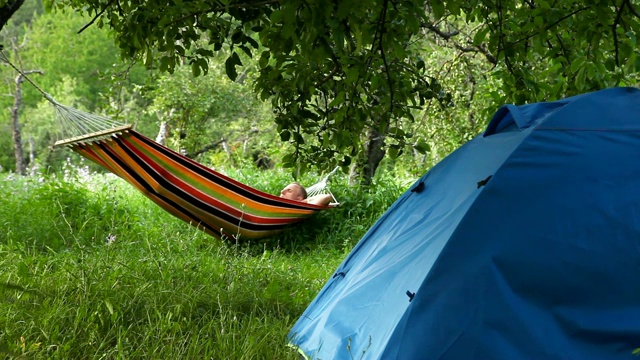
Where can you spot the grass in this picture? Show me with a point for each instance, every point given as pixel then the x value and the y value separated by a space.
pixel 91 269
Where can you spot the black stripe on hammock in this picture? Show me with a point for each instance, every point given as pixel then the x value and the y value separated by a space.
pixel 224 216
pixel 223 180
pixel 150 190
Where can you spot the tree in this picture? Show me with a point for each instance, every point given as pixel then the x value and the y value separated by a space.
pixel 21 166
pixel 547 49
pixel 336 71
pixel 204 112
pixel 90 58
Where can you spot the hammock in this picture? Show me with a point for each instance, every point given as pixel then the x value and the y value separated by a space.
pixel 213 202
pixel 203 197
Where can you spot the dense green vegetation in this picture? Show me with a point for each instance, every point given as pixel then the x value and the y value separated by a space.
pixel 347 79
pixel 90 269
pixel 84 71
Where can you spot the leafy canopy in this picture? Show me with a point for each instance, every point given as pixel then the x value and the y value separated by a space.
pixel 334 69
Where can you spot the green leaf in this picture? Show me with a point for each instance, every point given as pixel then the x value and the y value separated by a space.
pixel 396 132
pixel 148 58
pixel 264 59
pixel 297 137
pixel 246 50
pixel 339 100
pixel 538 21
pixel 580 79
pixel 195 69
pixel 252 42
pixel 422 147
pixel 577 63
pixel 453 7
pixel 204 52
pixel 345 8
pixel 165 63
pixel 289 160
pixel 480 36
pixel 352 75
pixel 285 135
pixel 237 37
pixel 392 152
pixel 438 9
pixel 230 66
pixel 632 38
pixel 275 17
pixel 610 63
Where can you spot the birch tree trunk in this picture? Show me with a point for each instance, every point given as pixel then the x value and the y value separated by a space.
pixel 162 133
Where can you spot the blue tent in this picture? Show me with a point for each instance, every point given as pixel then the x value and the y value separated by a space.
pixel 522 244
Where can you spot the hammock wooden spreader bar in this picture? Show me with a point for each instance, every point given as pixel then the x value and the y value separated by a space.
pixel 215 203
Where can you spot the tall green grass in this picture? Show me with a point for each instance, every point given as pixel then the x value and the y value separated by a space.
pixel 91 269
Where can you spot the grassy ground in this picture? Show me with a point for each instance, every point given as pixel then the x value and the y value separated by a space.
pixel 158 288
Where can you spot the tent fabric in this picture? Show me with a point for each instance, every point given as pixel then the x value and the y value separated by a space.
pixel 213 202
pixel 522 244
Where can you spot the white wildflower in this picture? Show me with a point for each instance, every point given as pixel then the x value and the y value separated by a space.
pixel 110 239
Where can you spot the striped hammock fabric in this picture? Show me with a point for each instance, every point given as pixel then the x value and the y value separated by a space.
pixel 213 202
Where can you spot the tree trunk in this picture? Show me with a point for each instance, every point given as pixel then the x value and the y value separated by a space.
pixel 21 167
pixel 17 135
pixel 365 167
pixel 32 155
pixel 163 133
pixel 226 148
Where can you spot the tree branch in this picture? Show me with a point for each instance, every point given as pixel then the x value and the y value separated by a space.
pixel 631 8
pixel 225 8
pixel 27 72
pixel 478 49
pixel 472 48
pixel 442 34
pixel 501 42
pixel 564 49
pixel 547 28
pixel 205 149
pixel 96 17
pixel 328 77
pixel 383 19
pixel 614 26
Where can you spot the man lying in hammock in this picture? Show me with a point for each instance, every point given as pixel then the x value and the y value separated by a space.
pixel 295 191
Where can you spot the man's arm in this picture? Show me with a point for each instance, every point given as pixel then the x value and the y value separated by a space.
pixel 320 199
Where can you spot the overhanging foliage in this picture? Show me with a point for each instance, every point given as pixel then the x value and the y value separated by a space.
pixel 335 69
